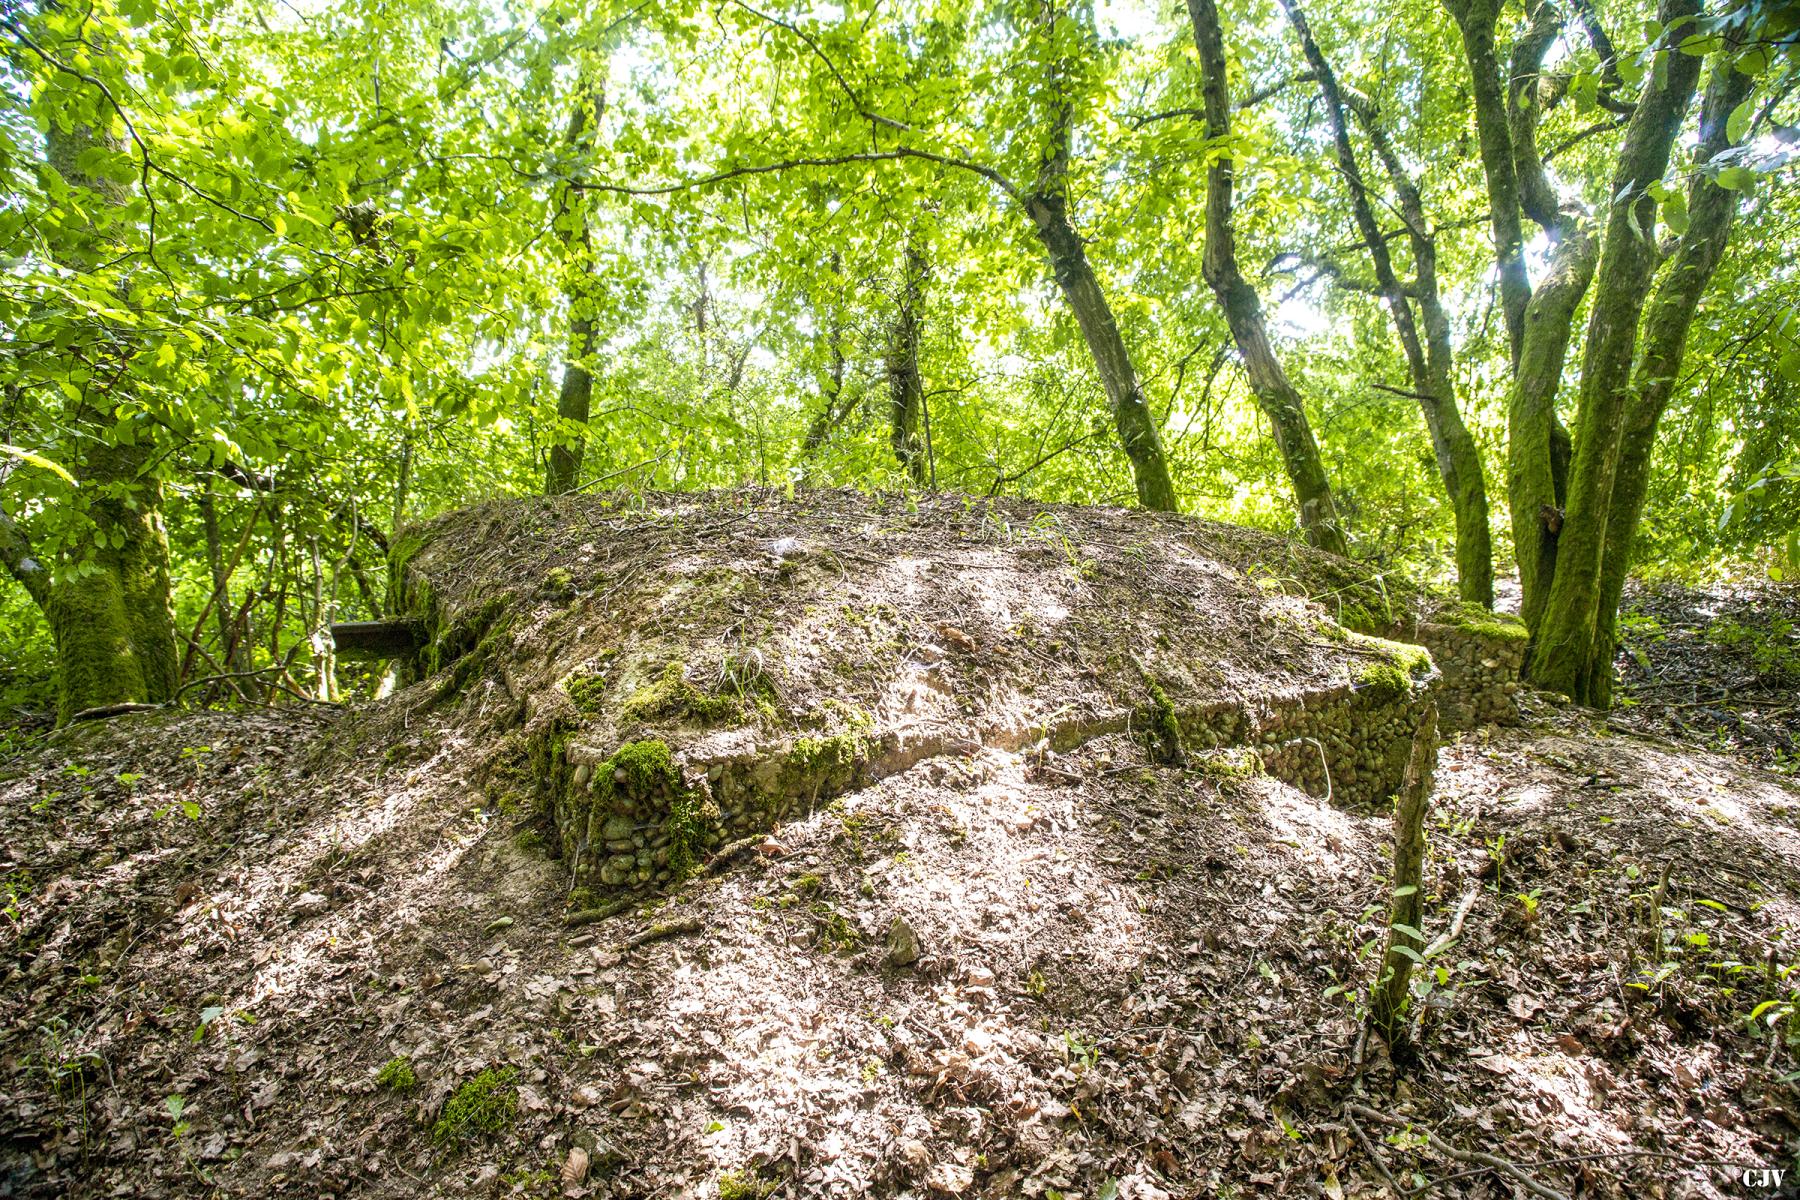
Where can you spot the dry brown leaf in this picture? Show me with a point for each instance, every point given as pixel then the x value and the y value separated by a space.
pixel 575 1167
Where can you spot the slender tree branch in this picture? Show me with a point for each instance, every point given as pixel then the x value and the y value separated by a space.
pixel 1608 96
pixel 148 164
pixel 900 152
pixel 1248 101
pixel 862 109
pixel 1582 135
pixel 144 166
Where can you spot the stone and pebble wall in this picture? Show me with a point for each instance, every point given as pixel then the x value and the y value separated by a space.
pixel 1482 663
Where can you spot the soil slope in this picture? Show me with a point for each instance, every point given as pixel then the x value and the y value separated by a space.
pixel 1003 966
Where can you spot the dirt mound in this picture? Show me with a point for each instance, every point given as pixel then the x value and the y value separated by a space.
pixel 701 670
pixel 319 954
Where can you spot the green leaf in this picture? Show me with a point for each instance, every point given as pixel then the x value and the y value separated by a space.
pixel 1675 212
pixel 37 460
pixel 1738 123
pixel 1735 179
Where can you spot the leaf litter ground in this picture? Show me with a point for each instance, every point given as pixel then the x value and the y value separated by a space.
pixel 1133 980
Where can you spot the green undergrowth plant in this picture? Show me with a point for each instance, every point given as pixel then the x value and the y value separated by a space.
pixel 1691 953
pixel 1162 732
pixel 745 677
pixel 1773 649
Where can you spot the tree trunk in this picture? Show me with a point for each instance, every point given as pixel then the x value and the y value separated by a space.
pixel 402 485
pixel 1130 411
pixel 1243 308
pixel 109 612
pixel 1566 654
pixel 1711 211
pixel 278 577
pixel 575 396
pixel 1048 207
pixel 108 604
pixel 574 404
pixel 829 414
pixel 230 654
pixel 906 389
pixel 1539 328
pixel 1475 19
pixel 1429 361
pixel 1405 940
pixel 1537 446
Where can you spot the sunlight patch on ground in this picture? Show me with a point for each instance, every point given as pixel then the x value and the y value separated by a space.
pixel 1320 835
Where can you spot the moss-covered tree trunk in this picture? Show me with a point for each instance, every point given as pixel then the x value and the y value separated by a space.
pixel 1132 418
pixel 108 605
pixel 1047 205
pixel 1568 654
pixel 574 405
pixel 1711 212
pixel 1275 394
pixel 1540 323
pixel 1475 20
pixel 1537 445
pixel 107 598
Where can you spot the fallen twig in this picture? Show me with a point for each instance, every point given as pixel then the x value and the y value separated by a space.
pixel 1456 923
pixel 1474 1157
pixel 104 711
pixel 658 931
pixel 729 851
pixel 1368 1145
pixel 587 916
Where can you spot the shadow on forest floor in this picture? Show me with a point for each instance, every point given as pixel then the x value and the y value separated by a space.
pixel 987 974
pixel 1132 976
pixel 1717 666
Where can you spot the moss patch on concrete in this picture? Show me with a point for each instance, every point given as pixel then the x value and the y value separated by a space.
pixel 643 765
pixel 1392 668
pixel 823 764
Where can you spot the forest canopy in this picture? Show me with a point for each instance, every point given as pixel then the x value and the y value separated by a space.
pixel 1460 290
